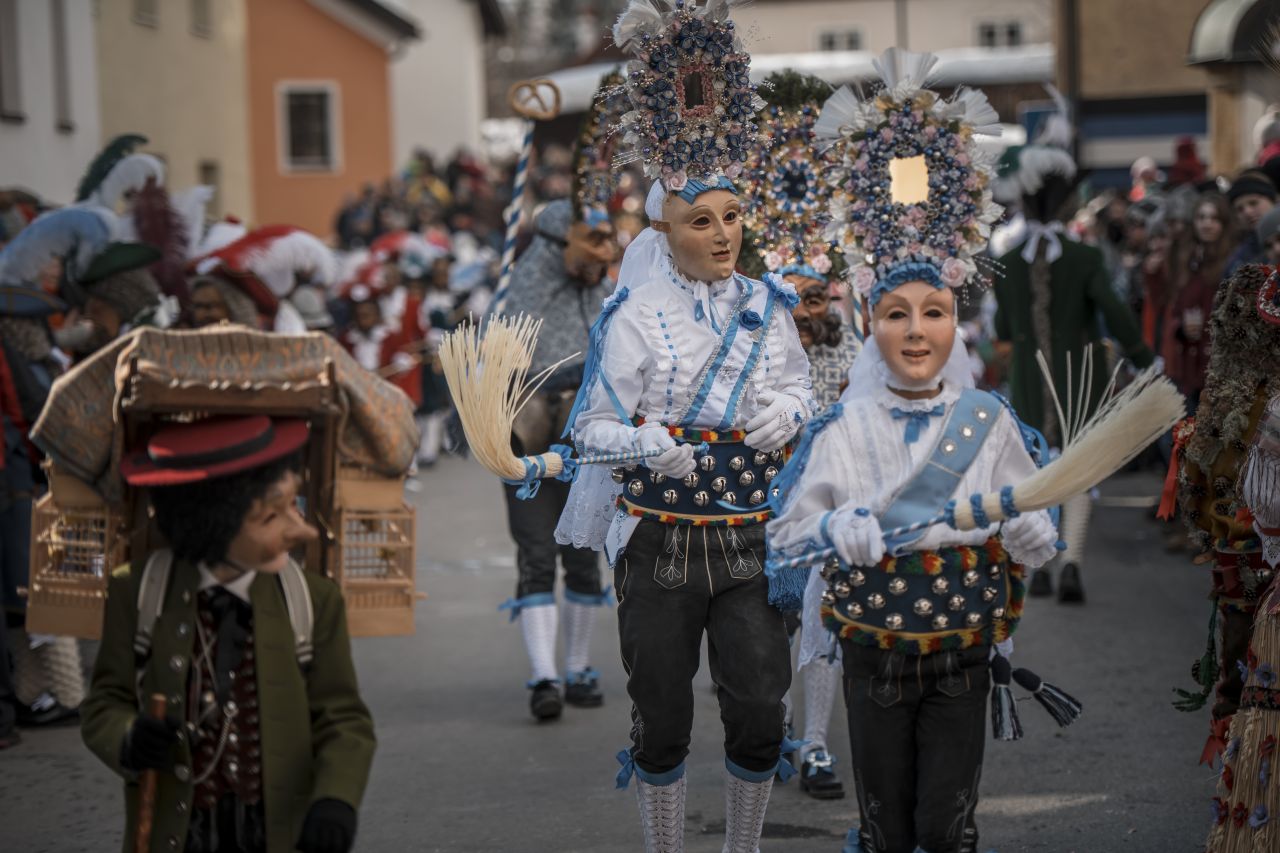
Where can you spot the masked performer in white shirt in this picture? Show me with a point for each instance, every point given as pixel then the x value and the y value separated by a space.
pixel 918 614
pixel 704 366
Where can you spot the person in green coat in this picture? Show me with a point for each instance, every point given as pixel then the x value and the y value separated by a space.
pixel 266 744
pixel 1054 297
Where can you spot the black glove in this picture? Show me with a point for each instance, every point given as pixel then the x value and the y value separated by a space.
pixel 330 827
pixel 147 743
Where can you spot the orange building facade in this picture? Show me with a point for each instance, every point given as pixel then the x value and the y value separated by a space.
pixel 319 98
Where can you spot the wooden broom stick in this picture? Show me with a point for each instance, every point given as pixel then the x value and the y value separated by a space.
pixel 147 785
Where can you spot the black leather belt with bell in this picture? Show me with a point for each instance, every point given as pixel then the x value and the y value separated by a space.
pixel 727 473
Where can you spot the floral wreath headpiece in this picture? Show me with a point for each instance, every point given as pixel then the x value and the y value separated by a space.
pixel 911 196
pixel 785 201
pixel 594 180
pixel 693 104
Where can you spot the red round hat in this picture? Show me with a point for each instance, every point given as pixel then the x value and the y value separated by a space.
pixel 215 447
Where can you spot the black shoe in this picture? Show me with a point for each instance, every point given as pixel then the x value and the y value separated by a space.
pixel 1041 583
pixel 818 778
pixel 582 689
pixel 1070 587
pixel 56 714
pixel 545 702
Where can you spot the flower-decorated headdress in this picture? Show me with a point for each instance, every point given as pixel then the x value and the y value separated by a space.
pixel 694 107
pixel 786 201
pixel 594 180
pixel 911 198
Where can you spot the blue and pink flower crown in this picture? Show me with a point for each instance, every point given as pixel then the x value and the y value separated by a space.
pixel 886 242
pixel 689 83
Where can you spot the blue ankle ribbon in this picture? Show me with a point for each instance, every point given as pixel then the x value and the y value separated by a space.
pixel 628 762
pixel 916 421
pixel 785 770
pixel 515 605
pixel 586 676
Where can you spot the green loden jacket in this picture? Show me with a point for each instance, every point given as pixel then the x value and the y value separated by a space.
pixel 1080 291
pixel 317 735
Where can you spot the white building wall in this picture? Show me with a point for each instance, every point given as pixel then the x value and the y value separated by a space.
pixel 438 82
pixel 35 154
pixel 791 26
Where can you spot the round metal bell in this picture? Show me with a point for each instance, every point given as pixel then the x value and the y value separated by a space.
pixel 854 609
pixel 760 458
pixel 746 478
pixel 828 597
pixel 691 480
pixel 875 601
pixel 655 477
pixel 940 586
pixel 730 498
pixel 636 488
pixel 776 455
pixel 940 621
pixel 670 496
pixel 701 498
pixel 989 593
pixel 922 607
pixel 737 463
pixel 756 498
pixel 955 602
pixel 998 613
pixel 893 621
pixel 618 474
pixel 707 463
pixel 897 586
pixel 719 484
pixel 994 572
pixel 970 578
pixel 842 589
pixel 973 620
pixel 857 578
pixel 770 473
pixel 829 569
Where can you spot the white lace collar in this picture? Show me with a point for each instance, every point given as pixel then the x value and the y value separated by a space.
pixel 887 399
pixel 697 288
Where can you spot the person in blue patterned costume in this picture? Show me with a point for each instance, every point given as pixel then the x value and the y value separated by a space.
pixel 923 617
pixel 702 367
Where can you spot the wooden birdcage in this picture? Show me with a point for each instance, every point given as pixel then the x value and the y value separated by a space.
pixel 374 529
pixel 74 548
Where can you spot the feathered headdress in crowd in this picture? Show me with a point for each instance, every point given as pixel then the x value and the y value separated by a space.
pixel 911 196
pixel 786 201
pixel 116 150
pixel 595 182
pixel 1024 168
pixel 157 223
pixel 693 104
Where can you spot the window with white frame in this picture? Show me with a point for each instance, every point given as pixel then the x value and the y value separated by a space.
pixel 10 66
pixel 309 127
pixel 842 39
pixel 999 33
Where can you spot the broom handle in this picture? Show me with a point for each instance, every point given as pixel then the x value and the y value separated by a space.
pixel 629 456
pixel 821 555
pixel 147 786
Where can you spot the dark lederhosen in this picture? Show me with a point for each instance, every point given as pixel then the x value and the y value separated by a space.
pixel 916 634
pixel 693 566
pixel 532 522
pixel 227 810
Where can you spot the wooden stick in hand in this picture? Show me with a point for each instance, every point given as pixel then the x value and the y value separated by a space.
pixel 147 785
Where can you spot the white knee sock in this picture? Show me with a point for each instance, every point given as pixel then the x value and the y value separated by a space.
pixel 662 815
pixel 821 683
pixel 579 621
pixel 431 428
pixel 744 807
pixel 539 626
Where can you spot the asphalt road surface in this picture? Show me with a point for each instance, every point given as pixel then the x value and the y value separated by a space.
pixel 461 765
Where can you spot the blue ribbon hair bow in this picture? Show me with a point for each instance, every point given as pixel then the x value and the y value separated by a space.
pixel 916 421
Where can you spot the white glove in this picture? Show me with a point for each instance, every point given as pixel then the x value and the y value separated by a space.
pixel 675 460
pixel 1031 539
pixel 775 424
pixel 857 536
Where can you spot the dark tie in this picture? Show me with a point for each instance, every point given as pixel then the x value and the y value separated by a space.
pixel 231 617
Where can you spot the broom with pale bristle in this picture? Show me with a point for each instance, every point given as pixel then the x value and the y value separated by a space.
pixel 1122 427
pixel 488 377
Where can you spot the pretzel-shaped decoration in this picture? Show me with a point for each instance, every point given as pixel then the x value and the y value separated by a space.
pixel 537 99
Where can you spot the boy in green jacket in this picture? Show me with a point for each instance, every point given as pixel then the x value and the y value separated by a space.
pixel 266 745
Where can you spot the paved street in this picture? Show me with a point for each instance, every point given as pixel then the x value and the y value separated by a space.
pixel 462 767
